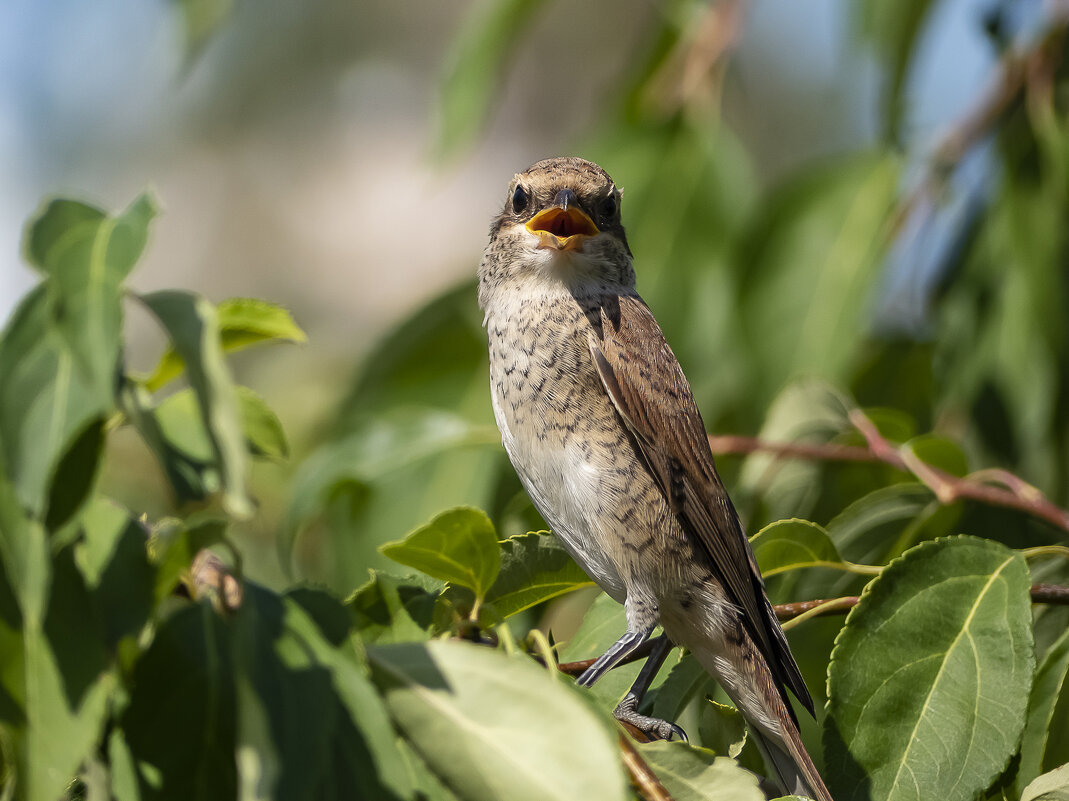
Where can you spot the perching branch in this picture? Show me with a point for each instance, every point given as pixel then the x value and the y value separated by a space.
pixel 643 779
pixel 1041 594
pixel 994 487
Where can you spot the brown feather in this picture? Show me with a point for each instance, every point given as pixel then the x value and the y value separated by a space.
pixel 647 386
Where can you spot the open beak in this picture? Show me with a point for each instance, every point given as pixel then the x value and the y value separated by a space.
pixel 562 228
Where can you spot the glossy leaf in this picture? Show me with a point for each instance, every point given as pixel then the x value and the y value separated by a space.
pixel 493 726
pixel 459 546
pixel 192 325
pixel 697 774
pixel 930 677
pixel 534 568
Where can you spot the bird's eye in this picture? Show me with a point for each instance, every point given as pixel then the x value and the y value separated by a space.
pixel 520 199
pixel 610 205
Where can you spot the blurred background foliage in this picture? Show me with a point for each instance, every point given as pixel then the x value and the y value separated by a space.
pixel 825 199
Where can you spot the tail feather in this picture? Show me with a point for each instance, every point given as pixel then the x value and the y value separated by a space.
pixel 792 765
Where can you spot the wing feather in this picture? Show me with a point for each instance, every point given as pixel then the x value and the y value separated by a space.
pixel 647 386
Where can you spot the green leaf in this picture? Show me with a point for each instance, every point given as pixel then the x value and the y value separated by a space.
pixel 603 624
pixel 459 546
pixel 477 63
pixel 243 322
pixel 180 723
pixel 939 452
pixel 263 430
pixel 389 609
pixel 813 257
pixel 493 726
pixel 697 774
pixel 722 729
pixel 686 680
pixel 201 19
pixel 193 327
pixel 173 545
pixel 309 722
pixel 929 679
pixel 1045 743
pixel 60 352
pixel 534 568
pixel 894 26
pixel 1052 786
pixel 790 544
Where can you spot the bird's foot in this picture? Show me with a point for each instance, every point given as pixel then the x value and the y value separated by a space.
pixel 653 728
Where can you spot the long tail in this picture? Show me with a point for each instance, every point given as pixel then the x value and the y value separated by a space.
pixel 749 683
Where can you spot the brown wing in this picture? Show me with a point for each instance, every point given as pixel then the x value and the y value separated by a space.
pixel 648 388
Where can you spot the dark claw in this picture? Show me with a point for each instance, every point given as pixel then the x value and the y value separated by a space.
pixel 654 728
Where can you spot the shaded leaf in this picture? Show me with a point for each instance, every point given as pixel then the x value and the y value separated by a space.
pixel 459 546
pixel 173 544
pixel 697 774
pixel 1045 743
pixel 930 677
pixel 493 726
pixel 192 325
pixel 603 624
pixel 389 609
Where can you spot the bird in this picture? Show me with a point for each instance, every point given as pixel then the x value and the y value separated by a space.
pixel 601 426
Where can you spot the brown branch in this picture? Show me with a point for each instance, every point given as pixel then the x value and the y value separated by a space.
pixel 1041 594
pixel 994 487
pixel 644 780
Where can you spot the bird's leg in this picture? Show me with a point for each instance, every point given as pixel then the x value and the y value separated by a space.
pixel 627 709
pixel 618 651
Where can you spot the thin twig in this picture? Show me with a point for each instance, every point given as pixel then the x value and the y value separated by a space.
pixel 995 487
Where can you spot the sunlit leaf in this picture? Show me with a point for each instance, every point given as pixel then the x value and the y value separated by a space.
pixel 1052 786
pixel 493 726
pixel 929 679
pixel 697 774
pixel 459 546
pixel 243 322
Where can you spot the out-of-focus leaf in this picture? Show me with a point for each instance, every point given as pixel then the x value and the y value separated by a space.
pixel 263 430
pixel 180 723
pixel 534 568
pixel 243 322
pixel 173 544
pixel 59 354
pixel 939 452
pixel 697 774
pixel 898 374
pixel 478 61
pixel 813 257
pixel 603 624
pixel 805 411
pixel 388 609
pixel 201 19
pixel 494 726
pixel 113 558
pixel 790 544
pixel 894 26
pixel 459 546
pixel 389 445
pixel 929 679
pixel 1052 786
pixel 296 736
pixel 193 327
pixel 1045 743
pixel 182 426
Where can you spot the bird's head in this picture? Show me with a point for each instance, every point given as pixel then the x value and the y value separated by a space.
pixel 560 223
